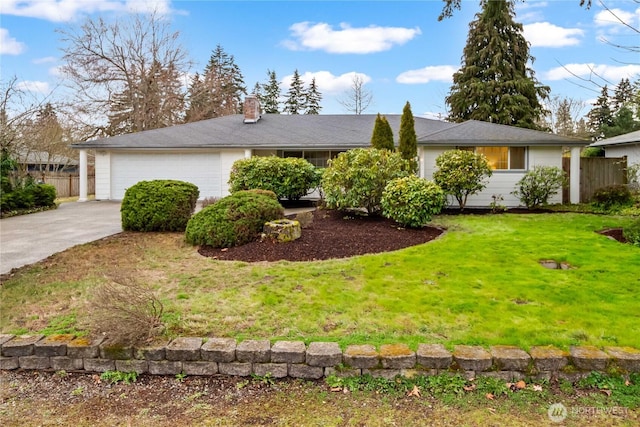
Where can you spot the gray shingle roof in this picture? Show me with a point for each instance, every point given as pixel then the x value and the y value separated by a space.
pixel 627 138
pixel 317 132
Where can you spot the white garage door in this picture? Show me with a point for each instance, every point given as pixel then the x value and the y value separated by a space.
pixel 201 169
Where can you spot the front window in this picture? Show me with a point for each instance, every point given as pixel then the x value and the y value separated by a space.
pixel 504 158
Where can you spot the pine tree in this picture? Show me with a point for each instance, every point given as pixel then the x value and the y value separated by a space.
pixel 494 83
pixel 382 137
pixel 271 97
pixel 295 102
pixel 622 95
pixel 313 98
pixel 408 141
pixel 600 116
pixel 155 100
pixel 197 100
pixel 220 90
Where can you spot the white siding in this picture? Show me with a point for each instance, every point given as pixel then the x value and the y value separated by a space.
pixel 632 151
pixel 501 183
pixel 103 175
pixel 200 168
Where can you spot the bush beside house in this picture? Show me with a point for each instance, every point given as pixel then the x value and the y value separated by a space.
pixel 160 205
pixel 461 173
pixel 356 178
pixel 412 201
pixel 289 178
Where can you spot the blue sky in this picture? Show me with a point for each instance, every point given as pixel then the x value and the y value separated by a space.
pixel 398 48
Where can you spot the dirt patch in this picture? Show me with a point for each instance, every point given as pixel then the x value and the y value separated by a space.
pixel 614 233
pixel 332 234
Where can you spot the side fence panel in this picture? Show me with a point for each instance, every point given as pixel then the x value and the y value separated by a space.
pixel 69 185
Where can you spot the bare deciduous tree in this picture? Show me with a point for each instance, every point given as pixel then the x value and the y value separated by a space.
pixel 129 69
pixel 357 99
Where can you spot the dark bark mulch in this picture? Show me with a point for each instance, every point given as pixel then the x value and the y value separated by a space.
pixel 332 234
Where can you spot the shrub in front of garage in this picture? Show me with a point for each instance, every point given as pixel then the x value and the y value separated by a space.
pixel 160 205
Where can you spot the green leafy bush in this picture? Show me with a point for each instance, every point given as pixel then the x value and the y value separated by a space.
pixel 412 201
pixel 161 205
pixel 632 233
pixel 233 220
pixel 461 173
pixel 28 196
pixel 539 184
pixel 290 178
pixel 612 197
pixel 44 195
pixel 356 178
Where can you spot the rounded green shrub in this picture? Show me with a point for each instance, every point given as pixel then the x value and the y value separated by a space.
pixel 356 178
pixel 632 233
pixel 539 184
pixel 160 205
pixel 289 178
pixel 233 220
pixel 612 196
pixel 412 201
pixel 43 195
pixel 462 173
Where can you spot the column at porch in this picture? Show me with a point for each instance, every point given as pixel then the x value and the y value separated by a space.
pixel 574 176
pixel 83 176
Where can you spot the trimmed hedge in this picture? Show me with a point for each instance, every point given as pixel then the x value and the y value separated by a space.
pixel 412 201
pixel 233 220
pixel 290 178
pixel 160 205
pixel 28 197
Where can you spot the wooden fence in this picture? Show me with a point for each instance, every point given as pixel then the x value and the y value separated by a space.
pixel 596 172
pixel 69 185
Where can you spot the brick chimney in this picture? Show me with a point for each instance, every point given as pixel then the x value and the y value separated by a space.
pixel 251 109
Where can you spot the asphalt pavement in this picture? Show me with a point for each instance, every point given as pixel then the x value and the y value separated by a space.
pixel 27 239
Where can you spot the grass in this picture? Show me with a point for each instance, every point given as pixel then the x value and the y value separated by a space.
pixel 481 283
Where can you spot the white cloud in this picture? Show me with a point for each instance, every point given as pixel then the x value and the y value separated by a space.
pixel 321 36
pixel 9 45
pixel 326 81
pixel 441 73
pixel 45 60
pixel 613 18
pixel 34 86
pixel 545 34
pixel 612 73
pixel 68 10
pixel 530 11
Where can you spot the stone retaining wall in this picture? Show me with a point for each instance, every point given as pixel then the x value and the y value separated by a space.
pixel 211 356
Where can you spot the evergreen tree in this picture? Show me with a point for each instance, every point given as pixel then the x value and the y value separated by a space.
pixel 155 100
pixel 313 98
pixel 295 102
pixel 271 97
pixel 382 137
pixel 600 116
pixel 197 100
pixel 622 95
pixel 494 83
pixel 220 90
pixel 408 141
pixel 564 121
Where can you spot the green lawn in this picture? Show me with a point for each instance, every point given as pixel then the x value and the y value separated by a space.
pixel 480 283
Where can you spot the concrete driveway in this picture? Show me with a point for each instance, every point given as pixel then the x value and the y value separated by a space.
pixel 27 239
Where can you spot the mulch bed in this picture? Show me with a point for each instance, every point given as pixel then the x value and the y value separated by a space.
pixel 332 234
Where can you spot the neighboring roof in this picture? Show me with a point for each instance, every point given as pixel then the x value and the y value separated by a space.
pixel 627 138
pixel 318 131
pixel 37 157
